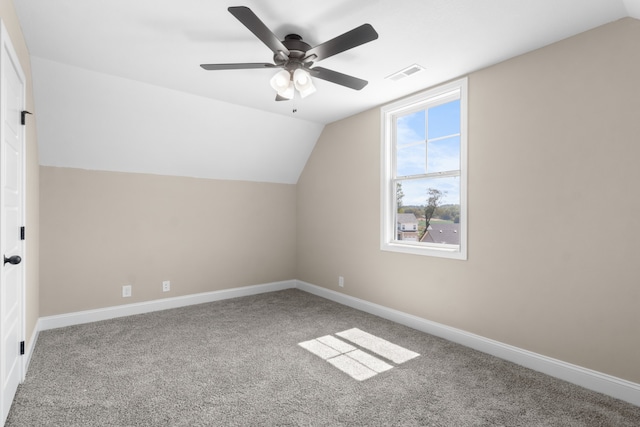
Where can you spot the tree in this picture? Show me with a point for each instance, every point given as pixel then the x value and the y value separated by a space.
pixel 399 194
pixel 433 201
pixel 444 215
pixel 413 210
pixel 447 212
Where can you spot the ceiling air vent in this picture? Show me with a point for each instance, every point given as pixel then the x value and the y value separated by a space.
pixel 412 69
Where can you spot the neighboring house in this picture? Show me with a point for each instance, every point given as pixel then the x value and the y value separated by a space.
pixel 442 232
pixel 407 227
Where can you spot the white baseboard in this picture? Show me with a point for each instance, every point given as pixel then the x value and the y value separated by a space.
pixel 88 316
pixel 587 378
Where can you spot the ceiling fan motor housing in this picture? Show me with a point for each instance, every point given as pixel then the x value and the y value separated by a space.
pixel 297 51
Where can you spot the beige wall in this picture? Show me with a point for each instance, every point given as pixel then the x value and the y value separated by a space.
pixel 554 142
pixel 10 20
pixel 102 230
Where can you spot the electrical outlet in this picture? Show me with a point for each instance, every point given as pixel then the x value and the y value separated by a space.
pixel 126 291
pixel 341 281
pixel 166 286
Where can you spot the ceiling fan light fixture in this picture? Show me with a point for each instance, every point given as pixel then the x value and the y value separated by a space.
pixel 283 84
pixel 287 92
pixel 307 91
pixel 301 77
pixel 302 81
pixel 281 81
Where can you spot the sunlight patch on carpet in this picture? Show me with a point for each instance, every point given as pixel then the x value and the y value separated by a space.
pixel 355 362
pixel 369 361
pixel 352 367
pixel 336 344
pixel 321 350
pixel 384 348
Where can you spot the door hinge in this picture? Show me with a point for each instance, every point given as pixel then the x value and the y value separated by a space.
pixel 23 119
pixel 21 233
pixel 21 348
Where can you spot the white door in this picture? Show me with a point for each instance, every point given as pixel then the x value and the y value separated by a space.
pixel 11 220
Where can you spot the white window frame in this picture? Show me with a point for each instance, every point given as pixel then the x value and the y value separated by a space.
pixel 388 205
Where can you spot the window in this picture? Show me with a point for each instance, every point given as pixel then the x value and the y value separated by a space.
pixel 424 172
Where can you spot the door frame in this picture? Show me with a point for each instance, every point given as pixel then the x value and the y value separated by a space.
pixel 8 53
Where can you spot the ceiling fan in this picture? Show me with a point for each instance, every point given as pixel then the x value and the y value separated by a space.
pixel 296 57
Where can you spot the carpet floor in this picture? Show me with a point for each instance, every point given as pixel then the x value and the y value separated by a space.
pixel 240 362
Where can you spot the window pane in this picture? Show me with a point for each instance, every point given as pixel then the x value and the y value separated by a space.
pixel 444 120
pixel 411 156
pixel 443 155
pixel 412 159
pixel 411 128
pixel 416 190
pixel 436 200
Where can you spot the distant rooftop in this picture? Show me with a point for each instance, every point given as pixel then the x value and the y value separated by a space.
pixel 442 232
pixel 407 218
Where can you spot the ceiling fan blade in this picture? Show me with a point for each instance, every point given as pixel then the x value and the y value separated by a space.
pixel 257 27
pixel 240 66
pixel 338 78
pixel 356 37
pixel 281 98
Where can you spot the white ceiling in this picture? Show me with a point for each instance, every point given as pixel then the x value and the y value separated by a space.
pixel 162 42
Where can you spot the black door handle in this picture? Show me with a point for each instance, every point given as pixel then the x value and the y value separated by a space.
pixel 12 260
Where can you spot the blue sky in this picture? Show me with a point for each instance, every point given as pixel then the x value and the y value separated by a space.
pixel 416 156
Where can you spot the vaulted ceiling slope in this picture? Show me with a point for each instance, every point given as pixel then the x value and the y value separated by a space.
pixel 118 85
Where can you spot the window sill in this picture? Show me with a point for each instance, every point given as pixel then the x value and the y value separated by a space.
pixel 451 252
